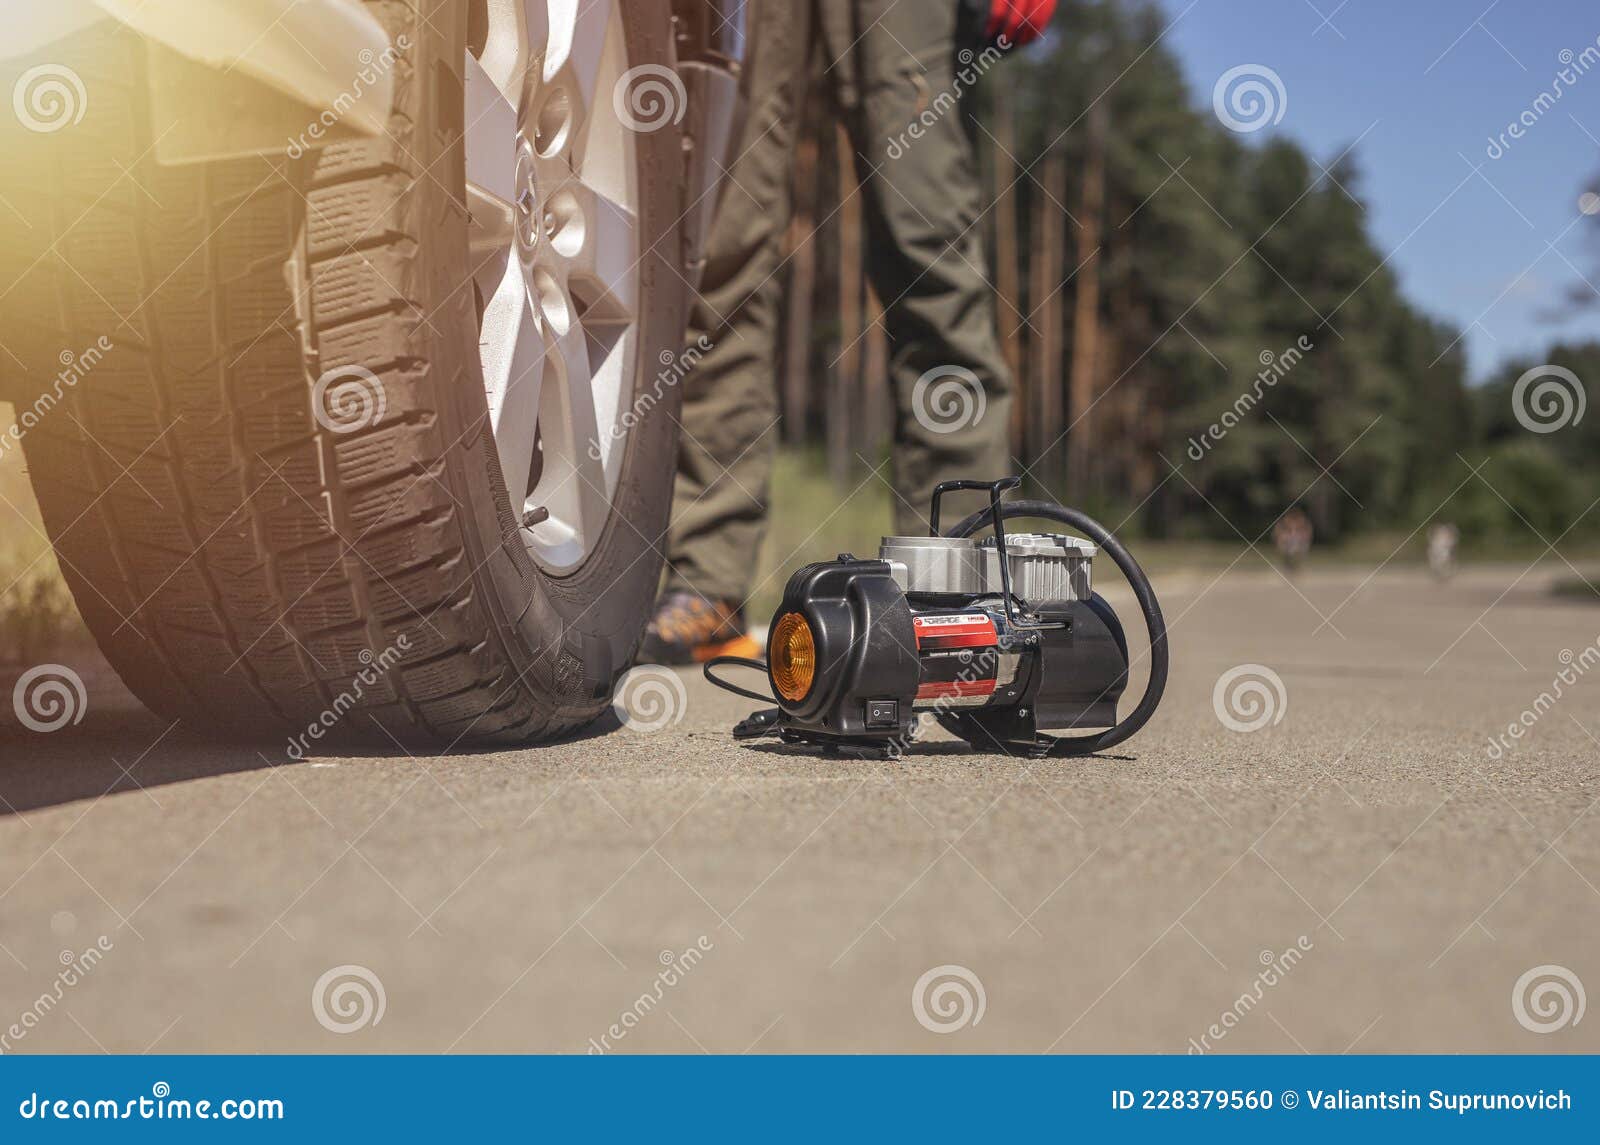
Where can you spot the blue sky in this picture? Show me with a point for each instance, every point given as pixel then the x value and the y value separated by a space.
pixel 1424 84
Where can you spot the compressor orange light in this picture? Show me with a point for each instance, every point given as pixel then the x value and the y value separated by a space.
pixel 793 657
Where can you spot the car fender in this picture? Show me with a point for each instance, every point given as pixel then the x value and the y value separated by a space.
pixel 308 50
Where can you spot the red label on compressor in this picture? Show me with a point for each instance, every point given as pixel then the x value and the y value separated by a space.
pixel 959 657
pixel 962 630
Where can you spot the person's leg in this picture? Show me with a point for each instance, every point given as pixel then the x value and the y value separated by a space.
pixel 905 67
pixel 730 404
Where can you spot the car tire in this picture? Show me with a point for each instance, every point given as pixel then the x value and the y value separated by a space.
pixel 244 566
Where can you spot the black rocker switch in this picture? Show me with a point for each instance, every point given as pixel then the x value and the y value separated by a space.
pixel 883 713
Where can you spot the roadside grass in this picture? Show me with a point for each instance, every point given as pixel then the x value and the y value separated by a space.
pixel 814 520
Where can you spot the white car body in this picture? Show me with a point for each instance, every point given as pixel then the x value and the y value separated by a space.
pixel 305 49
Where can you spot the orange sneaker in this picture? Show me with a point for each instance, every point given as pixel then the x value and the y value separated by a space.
pixel 689 629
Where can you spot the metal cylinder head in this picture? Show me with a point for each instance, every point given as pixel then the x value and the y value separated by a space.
pixel 935 564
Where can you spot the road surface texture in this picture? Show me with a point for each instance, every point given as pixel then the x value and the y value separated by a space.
pixel 1360 873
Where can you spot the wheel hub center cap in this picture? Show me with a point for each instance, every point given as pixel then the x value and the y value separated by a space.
pixel 528 208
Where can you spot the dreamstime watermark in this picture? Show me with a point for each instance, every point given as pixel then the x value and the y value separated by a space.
pixel 973 66
pixel 1548 998
pixel 348 998
pixel 373 670
pixel 49 697
pixel 1574 666
pixel 649 97
pixel 74 368
pixel 374 66
pixel 158 1105
pixel 348 398
pixel 1574 66
pixel 1275 367
pixel 49 97
pixel 674 368
pixel 650 699
pixel 1275 967
pixel 947 399
pixel 1249 97
pixel 75 967
pixel 948 998
pixel 675 966
pixel 1249 697
pixel 1548 398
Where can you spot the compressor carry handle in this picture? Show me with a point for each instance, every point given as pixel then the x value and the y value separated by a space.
pixel 995 488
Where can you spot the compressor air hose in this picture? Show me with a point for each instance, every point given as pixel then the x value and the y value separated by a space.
pixel 1155 625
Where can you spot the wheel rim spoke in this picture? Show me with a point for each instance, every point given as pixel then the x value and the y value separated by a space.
pixel 598 238
pixel 578 30
pixel 513 352
pixel 515 29
pixel 573 484
pixel 580 67
pixel 490 235
pixel 491 120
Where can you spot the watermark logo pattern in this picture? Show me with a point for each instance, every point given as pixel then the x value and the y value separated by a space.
pixel 49 97
pixel 649 97
pixel 947 999
pixel 348 398
pixel 1249 97
pixel 1548 998
pixel 49 697
pixel 1548 398
pixel 650 699
pixel 1249 697
pixel 948 399
pixel 348 998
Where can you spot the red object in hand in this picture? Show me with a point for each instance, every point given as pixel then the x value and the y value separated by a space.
pixel 1019 21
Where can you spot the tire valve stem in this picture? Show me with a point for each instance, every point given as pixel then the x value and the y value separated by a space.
pixel 535 517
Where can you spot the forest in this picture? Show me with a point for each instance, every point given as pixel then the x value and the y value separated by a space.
pixel 1203 331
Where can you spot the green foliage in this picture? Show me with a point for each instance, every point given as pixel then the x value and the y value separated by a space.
pixel 1219 252
pixel 1536 487
pixel 1542 484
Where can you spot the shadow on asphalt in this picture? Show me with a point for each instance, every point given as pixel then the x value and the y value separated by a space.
pixel 125 749
pixel 942 749
pixel 109 753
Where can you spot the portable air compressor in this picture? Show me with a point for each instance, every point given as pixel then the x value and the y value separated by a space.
pixel 997 640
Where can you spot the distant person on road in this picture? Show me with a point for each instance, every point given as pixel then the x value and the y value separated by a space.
pixel 1443 537
pixel 895 72
pixel 1292 536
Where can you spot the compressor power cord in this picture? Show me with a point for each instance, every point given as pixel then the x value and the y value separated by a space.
pixel 737 662
pixel 1155 624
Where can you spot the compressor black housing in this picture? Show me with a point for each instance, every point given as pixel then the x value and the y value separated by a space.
pixel 996 640
pixel 884 658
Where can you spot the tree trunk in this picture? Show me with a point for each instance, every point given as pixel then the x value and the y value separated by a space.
pixel 1086 309
pixel 1046 316
pixel 802 258
pixel 875 366
pixel 848 438
pixel 845 377
pixel 1008 284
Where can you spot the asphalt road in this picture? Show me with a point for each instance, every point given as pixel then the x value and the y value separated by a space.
pixel 526 900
